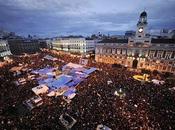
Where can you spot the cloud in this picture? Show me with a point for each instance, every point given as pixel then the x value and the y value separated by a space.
pixel 59 17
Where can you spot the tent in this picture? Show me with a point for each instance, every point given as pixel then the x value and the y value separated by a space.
pixel 79 74
pixel 74 82
pixel 89 71
pixel 16 69
pixel 48 57
pixel 51 94
pixel 45 81
pixel 158 82
pixel 72 65
pixel 60 91
pixel 103 127
pixel 45 71
pixel 40 89
pixel 60 81
pixel 70 94
pixel 83 61
pixel 33 102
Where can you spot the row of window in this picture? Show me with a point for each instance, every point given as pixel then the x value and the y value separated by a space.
pixel 125 51
pixel 120 51
pixel 162 54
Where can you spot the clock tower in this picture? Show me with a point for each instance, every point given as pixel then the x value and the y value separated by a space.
pixel 142 38
pixel 142 25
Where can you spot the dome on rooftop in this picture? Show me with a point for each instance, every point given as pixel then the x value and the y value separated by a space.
pixel 143 14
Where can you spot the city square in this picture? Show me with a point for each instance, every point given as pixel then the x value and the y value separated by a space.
pixel 87 65
pixel 95 101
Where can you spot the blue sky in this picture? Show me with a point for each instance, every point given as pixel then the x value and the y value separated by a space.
pixel 83 17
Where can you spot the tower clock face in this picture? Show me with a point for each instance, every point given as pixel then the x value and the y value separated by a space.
pixel 140 30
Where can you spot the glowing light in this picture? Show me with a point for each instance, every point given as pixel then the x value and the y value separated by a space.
pixel 141 77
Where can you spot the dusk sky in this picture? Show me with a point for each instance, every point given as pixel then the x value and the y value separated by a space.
pixel 83 17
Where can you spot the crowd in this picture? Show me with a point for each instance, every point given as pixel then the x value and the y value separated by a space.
pixel 146 106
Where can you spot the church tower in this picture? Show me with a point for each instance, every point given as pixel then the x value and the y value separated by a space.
pixel 142 25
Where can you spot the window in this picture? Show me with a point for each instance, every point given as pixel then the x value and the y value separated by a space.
pixel 141 64
pixel 167 56
pixel 164 67
pixel 159 55
pixel 118 51
pixel 170 62
pixel 124 52
pixel 109 51
pixel 113 51
pixel 151 55
pixel 104 50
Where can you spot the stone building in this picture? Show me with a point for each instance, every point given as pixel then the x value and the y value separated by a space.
pixel 26 45
pixel 75 45
pixel 4 49
pixel 140 51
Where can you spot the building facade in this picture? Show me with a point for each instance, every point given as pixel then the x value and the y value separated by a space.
pixel 140 51
pixel 75 45
pixel 130 33
pixel 4 48
pixel 26 45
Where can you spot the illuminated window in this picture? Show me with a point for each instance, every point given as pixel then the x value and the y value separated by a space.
pixel 164 67
pixel 141 64
pixel 167 56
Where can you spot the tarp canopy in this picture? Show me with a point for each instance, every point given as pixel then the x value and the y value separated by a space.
pixel 83 61
pixel 79 74
pixel 72 65
pixel 73 75
pixel 158 82
pixel 16 68
pixel 74 82
pixel 89 71
pixel 45 71
pixel 48 57
pixel 51 94
pixel 70 93
pixel 77 69
pixel 45 81
pixel 60 81
pixel 40 89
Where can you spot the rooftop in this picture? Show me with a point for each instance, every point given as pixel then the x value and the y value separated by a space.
pixel 114 40
pixel 162 41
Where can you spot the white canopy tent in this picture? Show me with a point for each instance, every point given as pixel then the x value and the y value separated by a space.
pixel 158 82
pixel 40 89
pixel 72 65
pixel 48 57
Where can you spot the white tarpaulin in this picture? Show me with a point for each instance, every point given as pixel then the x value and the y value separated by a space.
pixel 51 94
pixel 72 65
pixel 158 82
pixel 40 89
pixel 45 71
pixel 48 57
pixel 60 81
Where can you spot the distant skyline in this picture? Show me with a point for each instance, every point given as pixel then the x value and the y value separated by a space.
pixel 47 18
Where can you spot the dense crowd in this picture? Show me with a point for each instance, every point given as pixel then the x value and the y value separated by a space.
pixel 146 106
